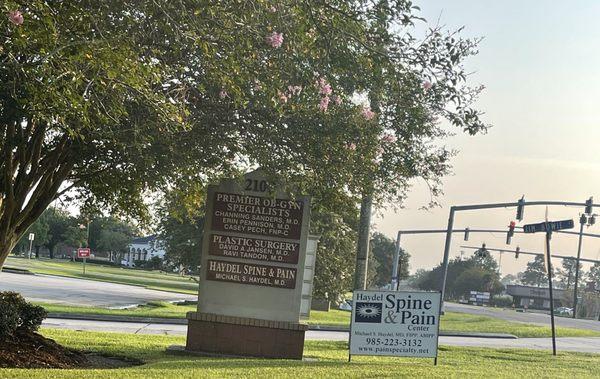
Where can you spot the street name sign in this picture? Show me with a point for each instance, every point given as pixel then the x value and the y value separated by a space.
pixel 549 226
pixel 83 252
pixel 395 323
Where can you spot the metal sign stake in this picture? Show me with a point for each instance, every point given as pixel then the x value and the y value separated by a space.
pixel 548 259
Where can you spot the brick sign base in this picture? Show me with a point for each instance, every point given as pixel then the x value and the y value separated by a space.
pixel 211 333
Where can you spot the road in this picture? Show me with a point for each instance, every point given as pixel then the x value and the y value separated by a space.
pixel 588 345
pixel 527 317
pixel 71 291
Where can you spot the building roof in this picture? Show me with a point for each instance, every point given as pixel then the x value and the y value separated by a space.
pixel 532 292
pixel 143 240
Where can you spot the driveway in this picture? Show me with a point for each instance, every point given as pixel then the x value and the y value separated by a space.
pixel 81 292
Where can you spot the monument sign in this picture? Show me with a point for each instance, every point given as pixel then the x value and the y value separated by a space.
pixel 253 271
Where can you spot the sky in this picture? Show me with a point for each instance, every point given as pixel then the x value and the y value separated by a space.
pixel 540 65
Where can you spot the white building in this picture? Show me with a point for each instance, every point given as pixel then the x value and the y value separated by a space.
pixel 143 249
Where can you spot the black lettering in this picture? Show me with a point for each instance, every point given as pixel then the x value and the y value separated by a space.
pixel 390 299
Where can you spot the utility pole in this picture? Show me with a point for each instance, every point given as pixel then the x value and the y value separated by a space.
pixel 364 235
pixel 500 264
pixel 395 279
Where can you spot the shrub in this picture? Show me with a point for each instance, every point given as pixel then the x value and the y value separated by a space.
pixel 9 319
pixel 32 317
pixel 18 314
pixel 502 301
pixel 154 263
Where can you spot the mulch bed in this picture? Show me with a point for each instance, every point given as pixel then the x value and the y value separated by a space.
pixel 31 350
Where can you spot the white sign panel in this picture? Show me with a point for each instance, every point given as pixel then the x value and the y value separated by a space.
pixel 403 324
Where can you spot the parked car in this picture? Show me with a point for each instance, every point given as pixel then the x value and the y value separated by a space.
pixel 563 311
pixel 346 305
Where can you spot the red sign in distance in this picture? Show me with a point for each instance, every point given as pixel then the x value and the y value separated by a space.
pixel 83 252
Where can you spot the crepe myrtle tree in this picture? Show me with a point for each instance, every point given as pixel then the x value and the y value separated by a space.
pixel 413 86
pixel 108 101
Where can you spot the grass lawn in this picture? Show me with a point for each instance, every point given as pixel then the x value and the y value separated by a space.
pixel 329 359
pixel 149 279
pixel 463 322
pixel 152 309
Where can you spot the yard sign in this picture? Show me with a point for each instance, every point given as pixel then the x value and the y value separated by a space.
pixel 395 323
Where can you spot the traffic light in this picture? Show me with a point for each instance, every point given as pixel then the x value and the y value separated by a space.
pixel 466 234
pixel 511 232
pixel 482 252
pixel 592 220
pixel 520 208
pixel 589 205
pixel 517 251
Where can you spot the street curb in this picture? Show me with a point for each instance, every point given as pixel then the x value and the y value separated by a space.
pixel 12 270
pixel 479 335
pixel 145 320
pixel 326 328
pixel 181 321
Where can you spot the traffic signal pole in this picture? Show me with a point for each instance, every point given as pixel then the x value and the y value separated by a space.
pixel 519 204
pixel 582 223
pixel 467 231
pixel 446 257
pixel 523 252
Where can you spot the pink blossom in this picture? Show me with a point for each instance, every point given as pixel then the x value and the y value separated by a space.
pixel 427 85
pixel 388 138
pixel 16 17
pixel 367 113
pixel 274 39
pixel 223 94
pixel 324 104
pixel 272 9
pixel 379 150
pixel 351 146
pixel 294 90
pixel 324 87
pixel 282 97
pixel 325 90
pixel 336 99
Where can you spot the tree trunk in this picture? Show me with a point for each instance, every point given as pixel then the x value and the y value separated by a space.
pixel 364 235
pixel 51 252
pixel 6 246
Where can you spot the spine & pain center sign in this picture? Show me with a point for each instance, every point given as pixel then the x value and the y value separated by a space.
pixel 404 324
